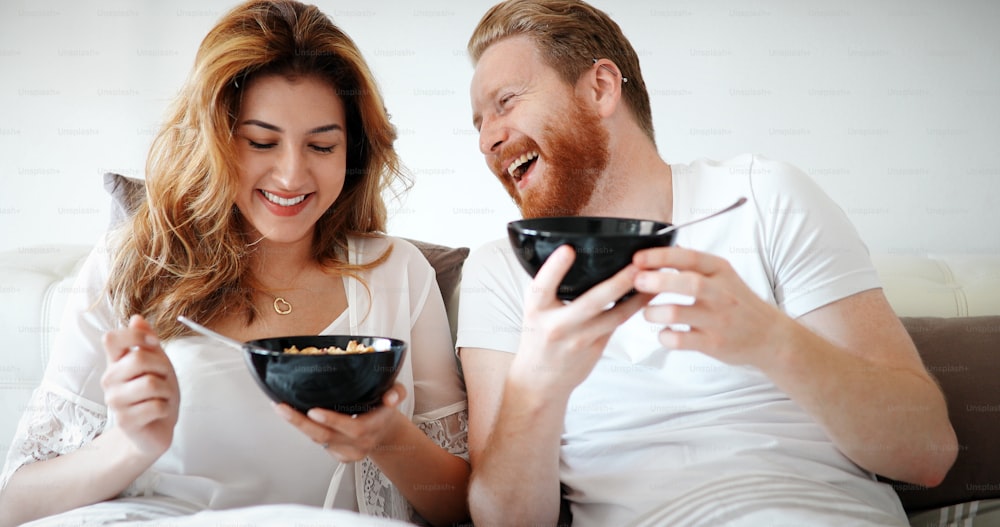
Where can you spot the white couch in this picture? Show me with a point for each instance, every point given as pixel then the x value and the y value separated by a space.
pixel 34 283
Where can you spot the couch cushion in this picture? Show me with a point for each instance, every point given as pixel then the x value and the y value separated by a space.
pixel 984 513
pixel 963 353
pixel 35 283
pixel 941 285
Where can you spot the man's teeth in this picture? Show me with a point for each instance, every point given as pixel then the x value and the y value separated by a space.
pixel 520 161
pixel 284 202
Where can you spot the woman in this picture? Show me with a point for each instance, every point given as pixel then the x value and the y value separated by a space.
pixel 264 217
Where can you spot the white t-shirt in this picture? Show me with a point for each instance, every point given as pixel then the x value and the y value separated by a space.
pixel 677 436
pixel 230 448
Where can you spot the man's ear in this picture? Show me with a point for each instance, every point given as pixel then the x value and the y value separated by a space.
pixel 606 82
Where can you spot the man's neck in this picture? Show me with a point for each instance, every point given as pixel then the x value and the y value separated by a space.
pixel 638 183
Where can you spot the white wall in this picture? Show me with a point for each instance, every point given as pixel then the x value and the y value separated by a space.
pixel 893 106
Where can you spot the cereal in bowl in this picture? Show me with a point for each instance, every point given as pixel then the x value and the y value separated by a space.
pixel 352 348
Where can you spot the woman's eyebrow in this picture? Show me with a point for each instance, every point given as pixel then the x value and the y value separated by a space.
pixel 262 124
pixel 269 126
pixel 326 128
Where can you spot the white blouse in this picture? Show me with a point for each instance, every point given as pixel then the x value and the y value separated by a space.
pixel 230 449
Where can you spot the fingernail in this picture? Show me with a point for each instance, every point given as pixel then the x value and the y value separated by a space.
pixel 283 411
pixel 313 414
pixel 392 398
pixel 151 340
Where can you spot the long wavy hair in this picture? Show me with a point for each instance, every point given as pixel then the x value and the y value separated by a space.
pixel 187 250
pixel 570 34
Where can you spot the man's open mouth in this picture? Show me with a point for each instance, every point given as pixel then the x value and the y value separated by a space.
pixel 520 166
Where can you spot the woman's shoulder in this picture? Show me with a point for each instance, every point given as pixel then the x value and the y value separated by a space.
pixel 402 252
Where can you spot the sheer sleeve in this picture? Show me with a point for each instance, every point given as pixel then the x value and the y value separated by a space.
pixel 450 433
pixel 439 389
pixel 440 408
pixel 52 425
pixel 382 498
pixel 405 302
pixel 62 414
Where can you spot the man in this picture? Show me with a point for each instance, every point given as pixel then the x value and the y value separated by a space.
pixel 762 379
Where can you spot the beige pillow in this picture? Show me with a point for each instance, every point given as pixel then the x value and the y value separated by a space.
pixel 126 194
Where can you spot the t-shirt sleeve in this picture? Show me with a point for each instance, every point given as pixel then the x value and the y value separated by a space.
pixel 815 254
pixel 492 295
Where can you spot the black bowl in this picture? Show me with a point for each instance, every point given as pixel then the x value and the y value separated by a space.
pixel 603 246
pixel 350 383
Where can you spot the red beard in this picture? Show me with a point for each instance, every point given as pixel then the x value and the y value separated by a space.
pixel 576 156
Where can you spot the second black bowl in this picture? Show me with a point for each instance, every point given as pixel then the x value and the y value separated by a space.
pixel 603 246
pixel 350 383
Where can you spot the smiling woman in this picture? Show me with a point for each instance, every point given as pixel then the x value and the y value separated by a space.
pixel 292 155
pixel 263 218
pixel 292 78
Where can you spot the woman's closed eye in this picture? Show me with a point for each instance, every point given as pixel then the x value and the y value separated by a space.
pixel 268 146
pixel 323 149
pixel 261 146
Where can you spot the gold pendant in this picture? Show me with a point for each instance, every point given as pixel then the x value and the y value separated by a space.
pixel 281 306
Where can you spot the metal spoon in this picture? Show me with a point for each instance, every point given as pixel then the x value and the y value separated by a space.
pixel 198 328
pixel 669 228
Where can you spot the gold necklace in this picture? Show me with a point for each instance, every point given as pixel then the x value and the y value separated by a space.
pixel 281 306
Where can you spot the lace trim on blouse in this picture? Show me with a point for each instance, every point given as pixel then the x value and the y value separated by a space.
pixel 382 499
pixel 51 426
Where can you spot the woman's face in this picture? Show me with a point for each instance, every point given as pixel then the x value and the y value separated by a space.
pixel 292 141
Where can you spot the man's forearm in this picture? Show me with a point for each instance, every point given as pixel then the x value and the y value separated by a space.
pixel 889 420
pixel 515 479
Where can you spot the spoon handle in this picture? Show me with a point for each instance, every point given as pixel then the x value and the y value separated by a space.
pixel 735 204
pixel 209 333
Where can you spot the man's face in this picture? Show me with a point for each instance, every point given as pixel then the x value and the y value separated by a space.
pixel 544 144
